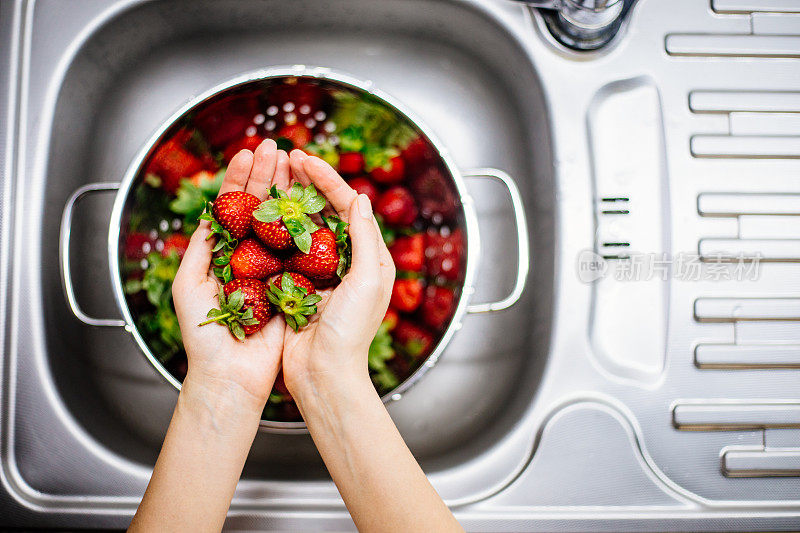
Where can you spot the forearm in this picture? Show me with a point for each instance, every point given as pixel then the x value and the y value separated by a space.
pixel 380 481
pixel 201 460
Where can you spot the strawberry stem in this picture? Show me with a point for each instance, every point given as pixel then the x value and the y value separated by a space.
pixel 215 319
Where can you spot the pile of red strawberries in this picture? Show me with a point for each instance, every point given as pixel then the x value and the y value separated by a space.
pixel 272 257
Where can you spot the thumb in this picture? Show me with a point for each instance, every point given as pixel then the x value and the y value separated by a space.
pixel 366 264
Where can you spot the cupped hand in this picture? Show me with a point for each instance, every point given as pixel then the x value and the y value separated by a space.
pixel 335 343
pixel 217 360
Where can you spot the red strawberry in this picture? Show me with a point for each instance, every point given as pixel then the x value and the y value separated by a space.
pixel 417 155
pixel 443 253
pixel 437 199
pixel 283 222
pixel 408 252
pixel 322 259
pixel 138 245
pixel 298 279
pixel 392 172
pixel 234 212
pixel 414 340
pixel 297 133
pixel 351 162
pixel 390 319
pixel 295 296
pixel 252 290
pixel 251 259
pixel 274 234
pixel 243 143
pixel 406 294
pixel 177 242
pixel 437 306
pixel 397 207
pixel 171 162
pixel 363 185
pixel 226 119
pixel 243 307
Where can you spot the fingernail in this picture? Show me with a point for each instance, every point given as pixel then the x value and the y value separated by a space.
pixel 364 206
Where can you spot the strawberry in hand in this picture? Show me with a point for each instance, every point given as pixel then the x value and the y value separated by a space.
pixel 283 219
pixel 295 296
pixel 242 307
pixel 328 256
pixel 251 260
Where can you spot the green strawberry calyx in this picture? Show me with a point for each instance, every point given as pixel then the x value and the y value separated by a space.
pixel 294 302
pixel 224 247
pixel 293 208
pixel 231 314
pixel 339 229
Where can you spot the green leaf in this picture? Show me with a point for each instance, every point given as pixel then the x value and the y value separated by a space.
pixel 296 192
pixel 311 299
pixel 315 204
pixel 236 300
pixel 273 191
pixel 308 225
pixel 227 274
pixel 213 312
pixel 292 323
pixel 301 321
pixel 303 242
pixel 287 283
pixel 268 211
pixel 237 330
pixel 295 226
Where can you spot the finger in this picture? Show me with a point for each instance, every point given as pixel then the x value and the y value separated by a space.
pixel 329 183
pixel 296 159
pixel 238 172
pixel 366 261
pixel 197 258
pixel 282 172
pixel 265 159
pixel 271 335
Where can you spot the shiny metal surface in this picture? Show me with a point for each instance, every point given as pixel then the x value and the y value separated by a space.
pixel 64 255
pixel 582 24
pixel 535 419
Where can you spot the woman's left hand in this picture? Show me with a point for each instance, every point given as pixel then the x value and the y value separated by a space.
pixel 218 363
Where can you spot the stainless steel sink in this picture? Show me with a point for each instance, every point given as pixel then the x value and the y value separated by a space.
pixel 595 403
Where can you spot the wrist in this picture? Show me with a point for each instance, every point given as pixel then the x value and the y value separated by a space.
pixel 219 404
pixel 332 390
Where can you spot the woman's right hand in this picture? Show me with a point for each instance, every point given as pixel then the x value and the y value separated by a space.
pixel 332 350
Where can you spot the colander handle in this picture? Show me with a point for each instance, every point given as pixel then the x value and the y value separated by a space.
pixel 523 245
pixel 66 273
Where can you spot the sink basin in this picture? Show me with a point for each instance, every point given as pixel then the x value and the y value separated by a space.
pixel 453 66
pixel 602 400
